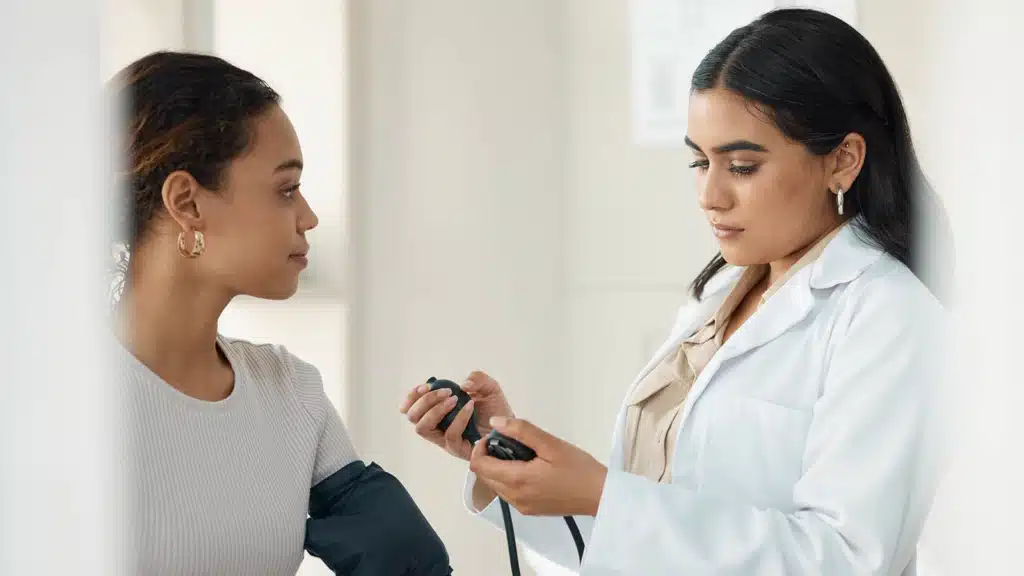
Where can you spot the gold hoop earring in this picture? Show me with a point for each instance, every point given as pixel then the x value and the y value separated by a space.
pixel 198 245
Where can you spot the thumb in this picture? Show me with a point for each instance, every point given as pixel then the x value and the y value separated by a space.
pixel 541 442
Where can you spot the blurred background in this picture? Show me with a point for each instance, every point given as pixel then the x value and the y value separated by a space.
pixel 503 186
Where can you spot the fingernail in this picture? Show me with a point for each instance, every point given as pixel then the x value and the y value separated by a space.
pixel 446 392
pixel 468 406
pixel 498 421
pixel 423 389
pixel 451 401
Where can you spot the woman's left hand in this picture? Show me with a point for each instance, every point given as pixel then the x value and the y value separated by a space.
pixel 562 480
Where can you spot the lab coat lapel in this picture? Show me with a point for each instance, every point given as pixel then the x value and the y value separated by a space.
pixel 689 319
pixel 787 307
pixel 845 258
pixel 781 312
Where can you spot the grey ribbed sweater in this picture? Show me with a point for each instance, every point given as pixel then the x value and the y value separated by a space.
pixel 222 488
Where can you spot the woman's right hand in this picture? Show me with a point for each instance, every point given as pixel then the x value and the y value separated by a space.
pixel 426 409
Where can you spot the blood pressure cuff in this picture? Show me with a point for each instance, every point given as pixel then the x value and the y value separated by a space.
pixel 363 522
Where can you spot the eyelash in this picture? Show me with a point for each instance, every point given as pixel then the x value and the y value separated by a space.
pixel 703 166
pixel 290 191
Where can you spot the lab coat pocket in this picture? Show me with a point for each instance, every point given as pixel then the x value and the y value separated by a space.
pixel 753 448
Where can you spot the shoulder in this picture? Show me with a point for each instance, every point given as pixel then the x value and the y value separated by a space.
pixel 888 287
pixel 269 361
pixel 887 312
pixel 866 280
pixel 889 328
pixel 273 366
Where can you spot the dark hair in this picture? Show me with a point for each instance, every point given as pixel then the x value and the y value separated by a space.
pixel 182 111
pixel 820 80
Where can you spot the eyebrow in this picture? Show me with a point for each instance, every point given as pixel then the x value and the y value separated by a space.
pixel 293 164
pixel 734 146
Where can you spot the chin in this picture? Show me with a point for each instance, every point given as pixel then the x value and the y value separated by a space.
pixel 277 291
pixel 283 295
pixel 739 257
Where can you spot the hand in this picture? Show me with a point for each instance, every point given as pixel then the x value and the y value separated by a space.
pixel 426 409
pixel 562 480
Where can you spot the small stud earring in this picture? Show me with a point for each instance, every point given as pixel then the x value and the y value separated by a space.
pixel 839 199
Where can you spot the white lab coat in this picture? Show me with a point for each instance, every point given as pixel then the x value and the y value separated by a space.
pixel 808 445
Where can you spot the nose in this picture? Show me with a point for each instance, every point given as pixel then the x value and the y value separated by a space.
pixel 307 217
pixel 713 192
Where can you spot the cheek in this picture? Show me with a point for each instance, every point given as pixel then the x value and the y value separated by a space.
pixel 778 196
pixel 765 197
pixel 778 208
pixel 264 220
pixel 250 237
pixel 269 236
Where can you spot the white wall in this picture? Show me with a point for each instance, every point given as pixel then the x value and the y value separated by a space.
pixel 58 494
pixel 133 28
pixel 458 226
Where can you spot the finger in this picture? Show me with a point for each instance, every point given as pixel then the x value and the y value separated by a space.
pixel 453 436
pixel 479 451
pixel 413 396
pixel 478 458
pixel 500 490
pixel 480 384
pixel 505 472
pixel 425 403
pixel 543 443
pixel 433 417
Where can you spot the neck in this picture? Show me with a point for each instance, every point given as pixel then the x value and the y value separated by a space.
pixel 779 268
pixel 167 319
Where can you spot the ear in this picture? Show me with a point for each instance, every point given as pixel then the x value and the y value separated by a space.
pixel 180 194
pixel 848 160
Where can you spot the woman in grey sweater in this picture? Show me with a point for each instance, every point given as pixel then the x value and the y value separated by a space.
pixel 235 460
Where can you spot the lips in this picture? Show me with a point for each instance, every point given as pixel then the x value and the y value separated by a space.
pixel 723 226
pixel 301 258
pixel 724 231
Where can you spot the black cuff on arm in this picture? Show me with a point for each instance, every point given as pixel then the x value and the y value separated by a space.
pixel 363 522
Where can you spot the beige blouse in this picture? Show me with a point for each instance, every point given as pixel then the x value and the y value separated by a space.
pixel 652 414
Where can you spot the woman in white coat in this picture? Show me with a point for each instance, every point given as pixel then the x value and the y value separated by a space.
pixel 788 424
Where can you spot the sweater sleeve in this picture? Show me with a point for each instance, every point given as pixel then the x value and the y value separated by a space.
pixel 334 449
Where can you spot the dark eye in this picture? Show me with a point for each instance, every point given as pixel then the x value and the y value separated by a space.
pixel 290 191
pixel 743 170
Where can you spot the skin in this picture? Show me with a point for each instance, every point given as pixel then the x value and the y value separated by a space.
pixel 255 229
pixel 767 200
